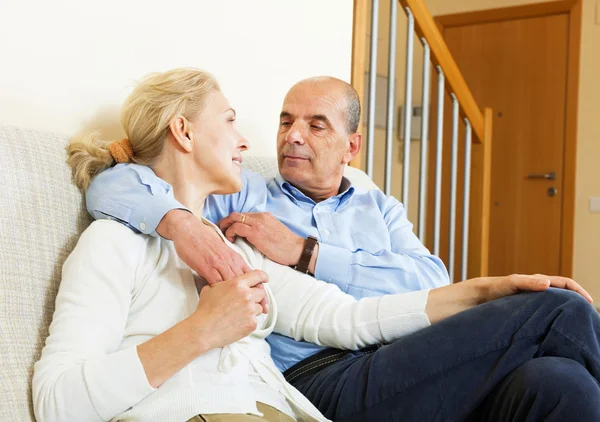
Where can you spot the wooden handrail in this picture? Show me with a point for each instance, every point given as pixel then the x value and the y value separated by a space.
pixel 359 63
pixel 440 54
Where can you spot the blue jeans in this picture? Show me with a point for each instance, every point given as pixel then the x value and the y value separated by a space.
pixel 527 357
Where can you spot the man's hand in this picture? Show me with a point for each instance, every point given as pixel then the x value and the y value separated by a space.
pixel 266 233
pixel 201 248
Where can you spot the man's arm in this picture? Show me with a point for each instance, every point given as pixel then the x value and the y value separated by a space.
pixel 136 197
pixel 406 266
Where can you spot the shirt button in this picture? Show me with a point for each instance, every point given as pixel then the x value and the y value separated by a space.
pixel 326 232
pixel 142 226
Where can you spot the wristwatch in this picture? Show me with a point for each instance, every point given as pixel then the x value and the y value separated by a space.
pixel 309 248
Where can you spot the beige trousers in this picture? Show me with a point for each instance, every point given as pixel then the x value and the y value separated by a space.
pixel 270 415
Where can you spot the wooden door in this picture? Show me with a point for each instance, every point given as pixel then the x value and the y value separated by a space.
pixel 519 68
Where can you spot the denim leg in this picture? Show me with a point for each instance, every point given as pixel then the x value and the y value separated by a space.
pixel 444 372
pixel 549 389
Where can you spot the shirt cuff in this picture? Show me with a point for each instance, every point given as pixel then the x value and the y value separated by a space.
pixel 148 214
pixel 403 314
pixel 116 382
pixel 333 265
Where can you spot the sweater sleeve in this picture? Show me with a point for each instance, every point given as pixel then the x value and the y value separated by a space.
pixel 82 374
pixel 319 312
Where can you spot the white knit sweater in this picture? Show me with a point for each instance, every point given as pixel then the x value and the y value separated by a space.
pixel 120 289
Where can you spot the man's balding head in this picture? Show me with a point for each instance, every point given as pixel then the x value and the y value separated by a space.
pixel 345 90
pixel 318 134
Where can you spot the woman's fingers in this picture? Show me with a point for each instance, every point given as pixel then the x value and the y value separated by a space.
pixel 569 284
pixel 540 282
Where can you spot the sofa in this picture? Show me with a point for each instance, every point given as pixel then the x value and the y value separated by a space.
pixel 42 215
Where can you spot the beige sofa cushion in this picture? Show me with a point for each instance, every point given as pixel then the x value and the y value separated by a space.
pixel 41 217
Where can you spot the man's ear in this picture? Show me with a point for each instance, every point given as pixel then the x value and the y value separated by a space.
pixel 181 130
pixel 354 144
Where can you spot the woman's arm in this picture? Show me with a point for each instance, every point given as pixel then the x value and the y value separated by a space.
pixel 319 312
pixel 82 375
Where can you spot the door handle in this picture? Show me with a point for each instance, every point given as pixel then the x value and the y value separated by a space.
pixel 546 176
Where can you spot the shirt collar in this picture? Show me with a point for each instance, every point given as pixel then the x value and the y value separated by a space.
pixel 346 191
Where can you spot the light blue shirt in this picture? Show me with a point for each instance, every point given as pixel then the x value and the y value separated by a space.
pixel 366 243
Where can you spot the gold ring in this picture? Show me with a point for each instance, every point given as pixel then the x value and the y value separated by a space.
pixel 243 218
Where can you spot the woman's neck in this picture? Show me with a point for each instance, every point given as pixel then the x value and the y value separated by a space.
pixel 190 184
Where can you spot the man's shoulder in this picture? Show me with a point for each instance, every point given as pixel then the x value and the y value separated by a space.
pixel 375 196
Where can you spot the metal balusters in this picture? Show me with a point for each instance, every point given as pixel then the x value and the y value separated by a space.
pixel 453 185
pixel 438 161
pixel 372 82
pixel 424 139
pixel 408 106
pixel 391 95
pixel 466 202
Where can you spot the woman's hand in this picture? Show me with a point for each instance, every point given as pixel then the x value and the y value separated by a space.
pixel 446 301
pixel 227 310
pixel 492 288
pixel 226 313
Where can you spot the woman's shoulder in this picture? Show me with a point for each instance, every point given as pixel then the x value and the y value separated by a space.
pixel 111 238
pixel 111 246
pixel 112 232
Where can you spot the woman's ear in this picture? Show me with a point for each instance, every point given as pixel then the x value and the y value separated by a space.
pixel 181 130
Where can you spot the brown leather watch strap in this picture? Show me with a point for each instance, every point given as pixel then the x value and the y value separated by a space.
pixel 307 252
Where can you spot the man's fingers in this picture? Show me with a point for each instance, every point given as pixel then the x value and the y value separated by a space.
pixel 234 217
pixel 238 229
pixel 226 272
pixel 213 277
pixel 225 223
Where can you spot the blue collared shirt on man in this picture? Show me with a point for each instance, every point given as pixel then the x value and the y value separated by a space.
pixel 366 243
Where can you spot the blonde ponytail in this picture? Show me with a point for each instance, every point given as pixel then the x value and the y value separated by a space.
pixel 145 117
pixel 88 155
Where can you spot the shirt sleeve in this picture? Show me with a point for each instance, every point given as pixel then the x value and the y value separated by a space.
pixel 406 266
pixel 82 375
pixel 318 312
pixel 133 195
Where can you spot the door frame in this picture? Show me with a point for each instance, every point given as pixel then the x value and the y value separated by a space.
pixel 573 8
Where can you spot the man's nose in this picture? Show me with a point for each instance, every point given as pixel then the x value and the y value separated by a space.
pixel 295 135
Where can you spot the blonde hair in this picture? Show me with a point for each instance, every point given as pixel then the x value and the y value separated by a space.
pixel 145 117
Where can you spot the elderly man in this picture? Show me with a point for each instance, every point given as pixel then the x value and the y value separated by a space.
pixel 360 241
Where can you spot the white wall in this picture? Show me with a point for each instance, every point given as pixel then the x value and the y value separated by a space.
pixel 66 65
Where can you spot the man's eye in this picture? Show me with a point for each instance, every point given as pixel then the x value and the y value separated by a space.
pixel 317 127
pixel 284 123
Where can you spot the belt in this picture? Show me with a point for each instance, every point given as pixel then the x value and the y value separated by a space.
pixel 322 360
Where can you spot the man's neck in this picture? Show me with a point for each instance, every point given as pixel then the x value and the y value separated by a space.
pixel 319 194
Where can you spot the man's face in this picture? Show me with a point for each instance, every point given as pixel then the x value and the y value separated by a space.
pixel 312 141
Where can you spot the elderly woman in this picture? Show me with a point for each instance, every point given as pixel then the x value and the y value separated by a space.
pixel 138 336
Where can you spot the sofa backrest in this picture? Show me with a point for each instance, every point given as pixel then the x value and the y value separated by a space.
pixel 42 215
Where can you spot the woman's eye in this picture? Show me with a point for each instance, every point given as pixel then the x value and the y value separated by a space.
pixel 284 123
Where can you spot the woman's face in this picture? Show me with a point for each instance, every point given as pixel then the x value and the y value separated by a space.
pixel 220 146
